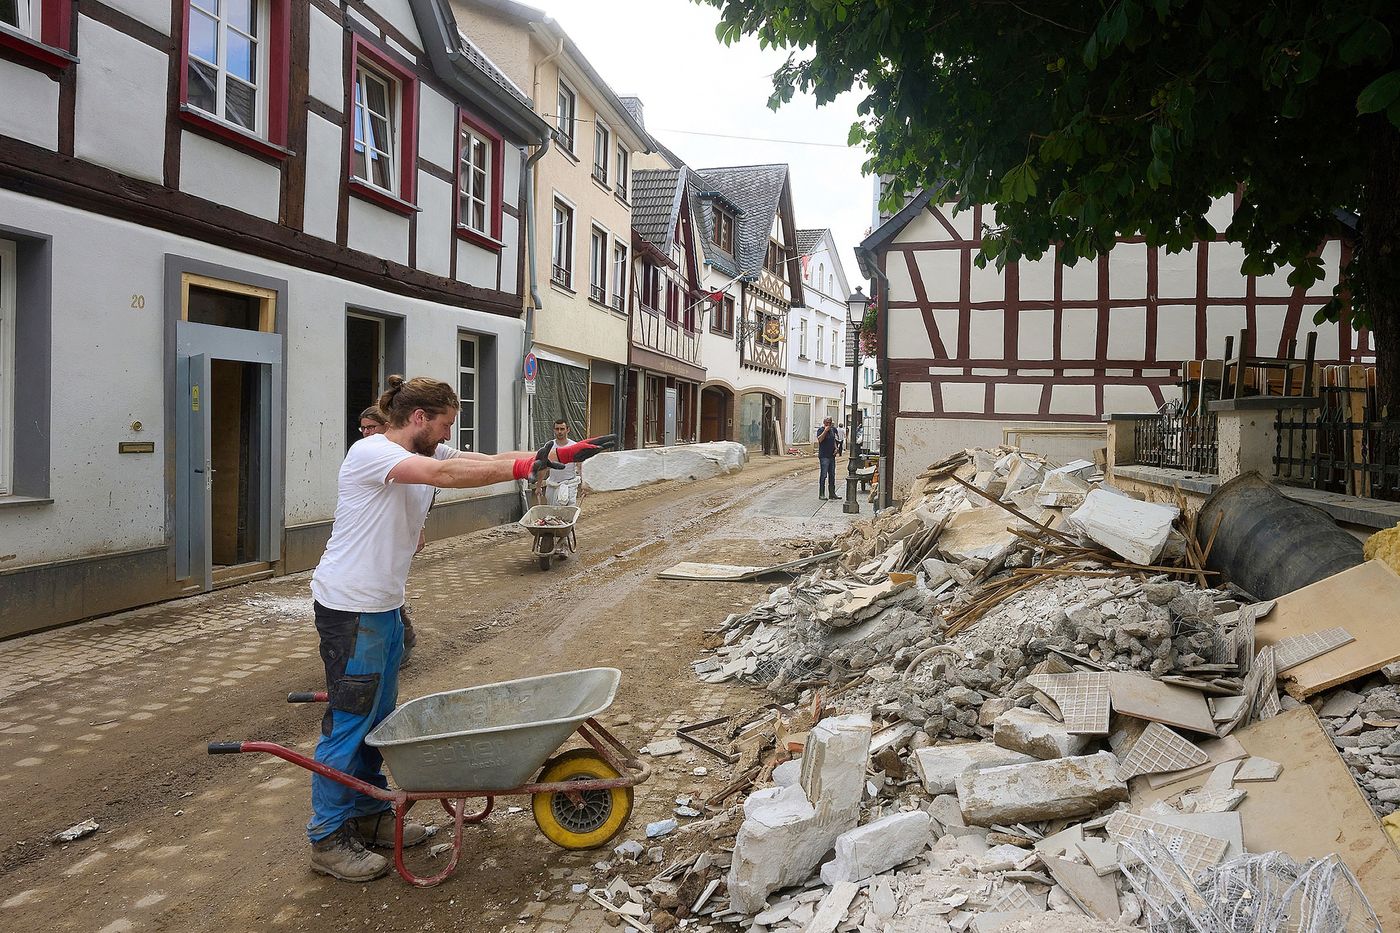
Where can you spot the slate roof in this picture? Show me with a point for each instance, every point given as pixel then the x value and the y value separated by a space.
pixel 657 195
pixel 808 240
pixel 755 190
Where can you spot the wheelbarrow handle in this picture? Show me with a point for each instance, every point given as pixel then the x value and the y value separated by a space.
pixel 225 748
pixel 308 697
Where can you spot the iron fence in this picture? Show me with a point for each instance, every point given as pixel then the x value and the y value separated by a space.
pixel 1177 440
pixel 1340 445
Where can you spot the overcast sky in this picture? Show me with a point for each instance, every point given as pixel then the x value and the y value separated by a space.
pixel 666 53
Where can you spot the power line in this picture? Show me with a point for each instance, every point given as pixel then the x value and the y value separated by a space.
pixel 752 139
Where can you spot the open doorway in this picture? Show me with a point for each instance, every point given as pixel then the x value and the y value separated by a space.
pixel 364 369
pixel 232 426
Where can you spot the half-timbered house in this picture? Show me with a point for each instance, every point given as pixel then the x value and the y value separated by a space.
pixel 222 224
pixel 973 351
pixel 666 367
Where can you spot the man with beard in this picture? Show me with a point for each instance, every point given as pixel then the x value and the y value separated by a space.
pixel 384 489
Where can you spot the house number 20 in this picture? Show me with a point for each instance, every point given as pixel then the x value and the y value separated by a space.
pixel 138 301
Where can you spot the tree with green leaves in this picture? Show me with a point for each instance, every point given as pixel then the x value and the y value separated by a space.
pixel 1085 121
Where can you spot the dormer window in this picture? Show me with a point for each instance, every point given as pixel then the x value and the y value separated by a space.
pixel 724 229
pixel 777 259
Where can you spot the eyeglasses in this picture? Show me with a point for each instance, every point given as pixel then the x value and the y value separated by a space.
pixel 368 428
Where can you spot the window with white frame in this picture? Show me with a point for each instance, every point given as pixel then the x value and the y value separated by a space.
pixel 835 356
pixel 598 265
pixel 226 68
pixel 802 338
pixel 566 114
pixel 18 15
pixel 8 273
pixel 821 335
pixel 623 167
pixel 468 390
pixel 563 244
pixel 619 275
pixel 602 150
pixel 474 181
pixel 374 158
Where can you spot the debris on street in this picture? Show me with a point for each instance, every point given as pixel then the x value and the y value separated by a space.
pixel 76 831
pixel 1023 695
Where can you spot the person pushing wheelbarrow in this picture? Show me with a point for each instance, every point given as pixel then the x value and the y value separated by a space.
pixel 384 489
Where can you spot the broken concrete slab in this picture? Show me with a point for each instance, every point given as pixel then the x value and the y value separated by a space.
pixel 1037 734
pixel 1256 769
pixel 1341 705
pixel 1143 697
pixel 877 847
pixel 1136 531
pixel 733 573
pixel 1096 896
pixel 1041 790
pixel 977 534
pixel 832 909
pixel 833 765
pixel 1102 855
pixel 939 765
pixel 1066 840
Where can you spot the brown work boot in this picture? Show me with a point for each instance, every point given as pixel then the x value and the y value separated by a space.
pixel 342 855
pixel 377 829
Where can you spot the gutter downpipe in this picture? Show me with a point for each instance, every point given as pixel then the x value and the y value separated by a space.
pixel 882 363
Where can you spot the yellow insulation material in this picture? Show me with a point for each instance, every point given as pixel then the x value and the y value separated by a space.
pixel 1384 545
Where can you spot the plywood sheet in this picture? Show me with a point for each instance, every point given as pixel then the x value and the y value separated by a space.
pixel 1312 810
pixel 1145 698
pixel 1364 600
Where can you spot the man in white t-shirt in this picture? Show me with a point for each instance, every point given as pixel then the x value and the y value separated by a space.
pixel 563 486
pixel 384 489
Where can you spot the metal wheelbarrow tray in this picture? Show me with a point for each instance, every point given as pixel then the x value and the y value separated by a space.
pixel 487 742
pixel 548 540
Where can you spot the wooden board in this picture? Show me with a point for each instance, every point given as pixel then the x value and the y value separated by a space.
pixel 1364 600
pixel 733 573
pixel 1146 698
pixel 1312 810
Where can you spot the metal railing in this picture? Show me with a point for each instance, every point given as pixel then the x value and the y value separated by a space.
pixel 1340 445
pixel 1177 440
pixel 562 275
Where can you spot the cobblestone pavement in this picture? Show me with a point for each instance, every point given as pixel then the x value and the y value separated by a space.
pixel 108 720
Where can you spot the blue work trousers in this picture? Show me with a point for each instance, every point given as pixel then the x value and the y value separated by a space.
pixel 361 652
pixel 826 482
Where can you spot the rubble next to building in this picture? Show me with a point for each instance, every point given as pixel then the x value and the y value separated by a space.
pixel 1021 698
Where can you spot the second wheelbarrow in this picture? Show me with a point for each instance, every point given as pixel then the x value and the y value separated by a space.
pixel 552 528
pixel 486 742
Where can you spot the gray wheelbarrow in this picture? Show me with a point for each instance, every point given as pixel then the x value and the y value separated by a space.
pixel 487 742
pixel 552 529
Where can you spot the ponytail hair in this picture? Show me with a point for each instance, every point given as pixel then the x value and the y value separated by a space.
pixel 404 397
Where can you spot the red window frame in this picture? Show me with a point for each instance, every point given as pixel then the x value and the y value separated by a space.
pixel 279 69
pixel 406 201
pixel 494 206
pixel 53 48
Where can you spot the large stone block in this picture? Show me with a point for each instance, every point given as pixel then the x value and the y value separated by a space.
pixel 1036 734
pixel 877 847
pixel 1042 790
pixel 938 765
pixel 628 469
pixel 834 762
pixel 1134 530
pixel 786 831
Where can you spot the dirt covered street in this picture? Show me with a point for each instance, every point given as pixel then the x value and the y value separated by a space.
pixel 108 720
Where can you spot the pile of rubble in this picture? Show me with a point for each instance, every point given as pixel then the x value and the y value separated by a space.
pixel 1017 700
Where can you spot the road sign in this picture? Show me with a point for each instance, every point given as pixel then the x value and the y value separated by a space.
pixel 532 369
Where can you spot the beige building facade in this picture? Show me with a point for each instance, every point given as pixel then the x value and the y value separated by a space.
pixel 580 208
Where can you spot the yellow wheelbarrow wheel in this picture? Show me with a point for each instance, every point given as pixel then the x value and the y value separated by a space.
pixel 585 820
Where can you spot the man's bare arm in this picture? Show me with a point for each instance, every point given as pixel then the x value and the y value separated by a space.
pixel 456 473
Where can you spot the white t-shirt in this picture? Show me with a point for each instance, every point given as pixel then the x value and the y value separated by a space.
pixel 566 475
pixel 375 533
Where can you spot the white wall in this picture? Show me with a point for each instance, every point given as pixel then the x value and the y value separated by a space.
pixel 109 364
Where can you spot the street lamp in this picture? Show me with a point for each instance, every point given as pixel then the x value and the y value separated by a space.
pixel 855 316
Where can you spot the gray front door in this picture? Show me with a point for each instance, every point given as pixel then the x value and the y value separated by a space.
pixel 670 438
pixel 229 442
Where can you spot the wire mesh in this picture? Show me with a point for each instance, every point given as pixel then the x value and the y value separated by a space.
pixel 1259 893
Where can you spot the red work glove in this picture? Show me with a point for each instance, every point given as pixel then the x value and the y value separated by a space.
pixel 530 467
pixel 582 450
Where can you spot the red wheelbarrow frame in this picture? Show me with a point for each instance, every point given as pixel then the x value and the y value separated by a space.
pixel 631 770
